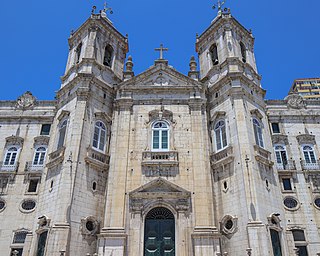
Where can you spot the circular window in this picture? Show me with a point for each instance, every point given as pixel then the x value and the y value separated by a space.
pixel 229 224
pixel 90 225
pixel 28 205
pixel 290 203
pixel 2 205
pixel 317 202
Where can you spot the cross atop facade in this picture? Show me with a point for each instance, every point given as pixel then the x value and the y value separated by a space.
pixel 161 50
pixel 219 5
pixel 106 8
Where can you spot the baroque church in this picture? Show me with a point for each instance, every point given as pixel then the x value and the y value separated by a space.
pixel 160 163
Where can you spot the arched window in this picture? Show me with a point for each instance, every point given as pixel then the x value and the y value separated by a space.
pixel 258 132
pixel 243 52
pixel 214 55
pixel 11 156
pixel 220 135
pixel 276 242
pixel 42 240
pixel 281 155
pixel 308 154
pixel 108 53
pixel 39 155
pixel 62 133
pixel 78 52
pixel 160 136
pixel 99 136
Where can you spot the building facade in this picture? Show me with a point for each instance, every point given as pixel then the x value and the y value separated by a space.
pixel 308 88
pixel 160 163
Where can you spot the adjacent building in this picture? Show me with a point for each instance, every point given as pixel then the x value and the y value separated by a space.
pixel 160 163
pixel 308 88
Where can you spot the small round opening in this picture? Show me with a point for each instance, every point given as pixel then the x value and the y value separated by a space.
pixel 225 185
pixel 90 225
pixel 229 224
pixel 94 186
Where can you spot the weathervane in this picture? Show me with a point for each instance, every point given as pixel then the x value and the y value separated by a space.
pixel 106 8
pixel 161 50
pixel 219 5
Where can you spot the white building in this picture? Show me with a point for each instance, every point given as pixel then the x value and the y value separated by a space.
pixel 160 163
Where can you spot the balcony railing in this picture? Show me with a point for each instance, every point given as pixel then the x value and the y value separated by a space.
pixel 9 167
pixel 307 165
pixel 96 158
pixel 160 163
pixel 227 152
pixel 290 165
pixel 30 167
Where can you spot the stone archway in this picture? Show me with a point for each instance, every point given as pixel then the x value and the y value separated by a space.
pixel 159 233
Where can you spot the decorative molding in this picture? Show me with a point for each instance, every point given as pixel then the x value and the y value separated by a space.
pixel 159 192
pixel 89 228
pixel 63 114
pixel 160 115
pixel 97 159
pixel 26 101
pixel 257 113
pixel 279 139
pixel 306 139
pixel 103 116
pixel 222 158
pixel 229 225
pixel 14 141
pixel 263 156
pixel 56 157
pixel 274 222
pixel 216 115
pixel 41 140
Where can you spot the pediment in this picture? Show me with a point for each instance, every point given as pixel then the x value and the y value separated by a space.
pixel 160 76
pixel 159 186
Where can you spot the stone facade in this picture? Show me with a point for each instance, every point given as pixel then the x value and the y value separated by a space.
pixel 160 163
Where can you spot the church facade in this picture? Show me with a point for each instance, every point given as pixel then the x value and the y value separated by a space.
pixel 160 163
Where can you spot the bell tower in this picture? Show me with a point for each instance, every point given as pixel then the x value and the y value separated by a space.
pixel 96 48
pixel 243 175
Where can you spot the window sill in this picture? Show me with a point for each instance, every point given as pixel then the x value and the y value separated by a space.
pixel 222 157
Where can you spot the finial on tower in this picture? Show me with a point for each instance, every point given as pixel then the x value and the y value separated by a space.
pixel 219 6
pixel 106 8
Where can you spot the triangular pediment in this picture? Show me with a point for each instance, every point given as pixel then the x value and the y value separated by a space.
pixel 159 186
pixel 160 76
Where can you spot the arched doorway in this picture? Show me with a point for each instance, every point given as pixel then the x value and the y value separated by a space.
pixel 159 233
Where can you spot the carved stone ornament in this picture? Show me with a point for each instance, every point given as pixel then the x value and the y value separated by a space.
pixel 159 191
pixel 279 139
pixel 161 114
pixel 89 228
pixel 229 225
pixel 306 139
pixel 41 140
pixel 274 222
pixel 295 101
pixel 14 141
pixel 26 100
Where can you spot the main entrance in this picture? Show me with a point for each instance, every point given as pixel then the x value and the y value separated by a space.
pixel 159 233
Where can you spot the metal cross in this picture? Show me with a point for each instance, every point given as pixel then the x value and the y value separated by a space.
pixel 161 50
pixel 106 8
pixel 219 5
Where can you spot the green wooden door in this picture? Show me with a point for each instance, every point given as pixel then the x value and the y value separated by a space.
pixel 159 236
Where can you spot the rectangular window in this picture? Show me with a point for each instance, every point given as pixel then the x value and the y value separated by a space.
pixel 33 185
pixel 45 129
pixel 164 138
pixel 156 139
pixel 275 127
pixel 286 182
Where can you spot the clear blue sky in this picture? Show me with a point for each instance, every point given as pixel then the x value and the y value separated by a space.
pixel 34 34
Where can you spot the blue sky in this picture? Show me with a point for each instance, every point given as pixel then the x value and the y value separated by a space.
pixel 34 34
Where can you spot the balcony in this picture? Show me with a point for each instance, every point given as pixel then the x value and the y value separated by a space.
pixel 9 168
pixel 222 157
pixel 289 166
pixel 160 163
pixel 97 159
pixel 263 156
pixel 31 168
pixel 56 157
pixel 307 165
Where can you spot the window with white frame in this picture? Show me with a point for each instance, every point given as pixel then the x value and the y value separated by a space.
pixel 99 136
pixel 281 155
pixel 39 155
pixel 160 136
pixel 11 156
pixel 220 135
pixel 308 154
pixel 257 128
pixel 62 133
pixel 18 242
